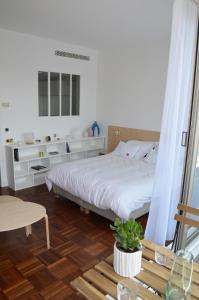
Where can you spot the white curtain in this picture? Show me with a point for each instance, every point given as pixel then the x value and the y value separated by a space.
pixel 169 169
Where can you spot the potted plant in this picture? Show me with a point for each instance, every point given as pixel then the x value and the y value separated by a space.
pixel 127 248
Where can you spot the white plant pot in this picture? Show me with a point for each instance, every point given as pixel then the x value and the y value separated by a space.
pixel 127 264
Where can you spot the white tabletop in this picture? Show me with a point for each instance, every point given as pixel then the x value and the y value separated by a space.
pixel 19 214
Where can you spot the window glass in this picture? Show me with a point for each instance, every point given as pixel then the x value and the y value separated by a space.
pixel 75 94
pixel 43 93
pixel 65 94
pixel 54 94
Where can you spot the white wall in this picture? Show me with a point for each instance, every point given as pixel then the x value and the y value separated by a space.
pixel 21 57
pixel 131 86
pixel 129 90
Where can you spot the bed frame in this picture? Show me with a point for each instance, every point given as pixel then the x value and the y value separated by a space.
pixel 115 134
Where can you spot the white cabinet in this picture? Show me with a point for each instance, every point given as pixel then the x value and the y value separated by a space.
pixel 27 165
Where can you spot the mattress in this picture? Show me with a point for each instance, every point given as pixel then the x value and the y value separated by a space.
pixel 108 182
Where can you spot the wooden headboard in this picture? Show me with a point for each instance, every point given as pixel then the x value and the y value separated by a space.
pixel 116 134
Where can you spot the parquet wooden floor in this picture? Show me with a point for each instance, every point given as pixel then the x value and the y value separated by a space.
pixel 78 241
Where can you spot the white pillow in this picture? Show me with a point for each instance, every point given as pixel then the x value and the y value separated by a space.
pixel 125 150
pixel 144 147
pixel 120 149
pixel 131 150
pixel 151 157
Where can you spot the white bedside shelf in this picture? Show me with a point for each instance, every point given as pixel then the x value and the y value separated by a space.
pixel 19 172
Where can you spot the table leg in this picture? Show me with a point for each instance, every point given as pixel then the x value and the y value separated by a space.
pixel 28 230
pixel 47 232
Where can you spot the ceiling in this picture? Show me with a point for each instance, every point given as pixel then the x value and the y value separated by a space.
pixel 99 24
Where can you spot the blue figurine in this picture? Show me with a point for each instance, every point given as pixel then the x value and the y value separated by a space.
pixel 95 129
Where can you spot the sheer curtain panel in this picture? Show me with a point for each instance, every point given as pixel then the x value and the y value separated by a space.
pixel 170 164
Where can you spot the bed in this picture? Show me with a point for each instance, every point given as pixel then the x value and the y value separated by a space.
pixel 108 184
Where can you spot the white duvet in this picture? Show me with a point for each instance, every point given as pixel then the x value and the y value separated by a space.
pixel 108 182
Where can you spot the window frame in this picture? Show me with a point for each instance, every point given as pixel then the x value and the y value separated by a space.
pixel 71 105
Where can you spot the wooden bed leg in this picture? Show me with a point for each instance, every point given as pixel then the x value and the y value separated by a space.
pixel 81 209
pixel 57 196
pixel 87 211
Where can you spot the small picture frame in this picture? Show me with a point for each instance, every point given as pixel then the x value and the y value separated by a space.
pixel 29 138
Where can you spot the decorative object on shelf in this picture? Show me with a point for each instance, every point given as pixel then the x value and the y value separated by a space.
pixel 67 148
pixel 95 128
pixel 29 138
pixel 90 132
pixel 95 132
pixel 179 284
pixel 16 154
pixel 10 141
pixel 127 248
pixel 101 153
pixel 76 133
pixel 38 167
pixel 53 153
pixel 48 138
pixel 41 153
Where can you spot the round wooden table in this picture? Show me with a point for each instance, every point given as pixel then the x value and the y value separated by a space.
pixel 8 198
pixel 15 213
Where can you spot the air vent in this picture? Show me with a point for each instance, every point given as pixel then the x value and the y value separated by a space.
pixel 71 55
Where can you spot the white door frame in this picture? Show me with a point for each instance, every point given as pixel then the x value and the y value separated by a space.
pixel 192 154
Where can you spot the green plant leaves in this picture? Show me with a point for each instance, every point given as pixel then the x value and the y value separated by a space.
pixel 117 222
pixel 128 234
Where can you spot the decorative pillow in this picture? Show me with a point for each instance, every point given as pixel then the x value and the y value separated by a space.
pixel 131 150
pixel 151 157
pixel 144 147
pixel 120 149
pixel 125 150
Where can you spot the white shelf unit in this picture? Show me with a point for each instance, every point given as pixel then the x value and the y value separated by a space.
pixel 21 158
